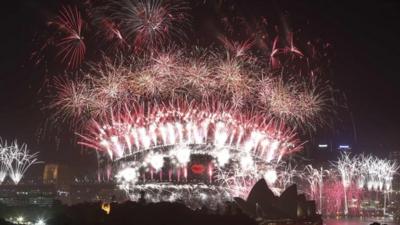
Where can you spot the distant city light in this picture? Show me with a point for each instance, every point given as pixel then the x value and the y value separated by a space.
pixel 322 145
pixel 40 222
pixel 20 219
pixel 344 147
pixel 106 207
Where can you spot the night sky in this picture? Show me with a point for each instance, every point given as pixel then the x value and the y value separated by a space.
pixel 365 67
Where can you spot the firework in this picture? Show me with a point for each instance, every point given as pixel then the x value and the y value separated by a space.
pixel 241 145
pixel 198 79
pixel 71 46
pixel 109 85
pixel 147 127
pixel 4 161
pixel 3 172
pixel 333 195
pixel 17 160
pixel 110 32
pixel 151 23
pixel 237 183
pixel 170 113
pixel 288 49
pixel 346 167
pixel 296 102
pixel 232 79
pixel 377 175
pixel 287 173
pixel 73 99
pixel 368 172
pixel 315 178
pixel 237 49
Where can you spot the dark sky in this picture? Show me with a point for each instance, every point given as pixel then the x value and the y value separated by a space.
pixel 365 66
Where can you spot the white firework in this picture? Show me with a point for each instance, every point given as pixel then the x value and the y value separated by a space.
pixel 315 178
pixel 4 159
pixel 347 168
pixel 368 172
pixel 17 160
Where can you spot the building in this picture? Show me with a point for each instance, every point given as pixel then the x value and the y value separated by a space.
pixel 288 208
pixel 25 195
pixel 50 174
pixel 56 174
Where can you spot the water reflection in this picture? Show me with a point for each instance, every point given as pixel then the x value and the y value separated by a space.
pixel 357 221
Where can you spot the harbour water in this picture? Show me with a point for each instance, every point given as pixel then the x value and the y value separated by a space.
pixel 358 221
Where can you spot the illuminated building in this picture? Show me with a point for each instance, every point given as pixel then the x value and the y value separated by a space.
pixel 56 174
pixel 24 195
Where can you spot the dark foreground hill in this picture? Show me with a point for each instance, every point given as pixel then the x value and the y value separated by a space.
pixel 145 214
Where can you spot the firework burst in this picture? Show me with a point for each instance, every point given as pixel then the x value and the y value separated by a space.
pixel 73 98
pixel 301 103
pixel 151 24
pixel 71 46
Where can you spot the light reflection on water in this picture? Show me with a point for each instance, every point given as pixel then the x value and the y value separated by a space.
pixel 357 221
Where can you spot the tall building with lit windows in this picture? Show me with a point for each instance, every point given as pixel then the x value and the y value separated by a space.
pixel 56 174
pixel 50 173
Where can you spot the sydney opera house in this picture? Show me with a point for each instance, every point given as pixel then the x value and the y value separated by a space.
pixel 289 208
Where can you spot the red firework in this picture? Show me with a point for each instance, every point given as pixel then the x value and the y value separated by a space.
pixel 111 33
pixel 237 48
pixel 289 48
pixel 115 136
pixel 151 24
pixel 71 47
